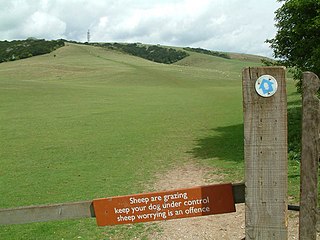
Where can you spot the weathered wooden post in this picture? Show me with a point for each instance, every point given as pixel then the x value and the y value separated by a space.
pixel 265 149
pixel 309 157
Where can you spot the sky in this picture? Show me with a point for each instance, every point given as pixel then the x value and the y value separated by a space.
pixel 220 25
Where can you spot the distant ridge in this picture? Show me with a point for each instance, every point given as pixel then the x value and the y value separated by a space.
pixel 21 49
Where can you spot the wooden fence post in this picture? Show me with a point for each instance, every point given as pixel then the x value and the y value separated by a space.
pixel 309 157
pixel 265 149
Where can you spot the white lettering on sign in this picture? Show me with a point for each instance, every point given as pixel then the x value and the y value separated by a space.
pixel 170 202
pixel 139 200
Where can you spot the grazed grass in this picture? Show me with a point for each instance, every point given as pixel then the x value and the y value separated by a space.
pixel 92 123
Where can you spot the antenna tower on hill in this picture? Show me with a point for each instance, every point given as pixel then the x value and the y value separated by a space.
pixel 88 36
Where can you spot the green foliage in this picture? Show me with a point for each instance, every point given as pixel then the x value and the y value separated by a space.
pixel 153 53
pixel 297 42
pixel 297 46
pixel 268 62
pixel 19 49
pixel 208 52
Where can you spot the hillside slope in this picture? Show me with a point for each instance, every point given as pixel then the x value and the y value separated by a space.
pixel 84 122
pixel 77 61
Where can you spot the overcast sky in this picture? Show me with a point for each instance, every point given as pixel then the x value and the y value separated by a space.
pixel 221 25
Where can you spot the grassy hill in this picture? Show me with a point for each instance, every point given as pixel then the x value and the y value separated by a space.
pixel 92 122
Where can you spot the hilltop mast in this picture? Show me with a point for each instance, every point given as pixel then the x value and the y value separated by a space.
pixel 88 36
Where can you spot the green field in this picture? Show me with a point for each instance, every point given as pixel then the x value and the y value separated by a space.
pixel 93 123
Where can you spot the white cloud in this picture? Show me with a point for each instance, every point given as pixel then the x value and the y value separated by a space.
pixel 41 24
pixel 226 25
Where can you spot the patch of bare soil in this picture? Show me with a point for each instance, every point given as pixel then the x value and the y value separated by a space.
pixel 225 226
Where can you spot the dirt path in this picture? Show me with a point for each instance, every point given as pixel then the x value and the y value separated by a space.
pixel 226 226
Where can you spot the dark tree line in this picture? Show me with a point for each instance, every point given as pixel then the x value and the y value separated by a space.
pixel 153 53
pixel 208 52
pixel 19 49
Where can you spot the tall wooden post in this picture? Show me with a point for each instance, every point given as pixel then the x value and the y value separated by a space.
pixel 309 157
pixel 265 149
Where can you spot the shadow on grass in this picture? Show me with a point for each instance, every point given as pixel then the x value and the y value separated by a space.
pixel 226 143
pixel 293 176
pixel 294 130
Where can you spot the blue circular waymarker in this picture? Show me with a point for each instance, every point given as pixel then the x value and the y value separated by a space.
pixel 266 86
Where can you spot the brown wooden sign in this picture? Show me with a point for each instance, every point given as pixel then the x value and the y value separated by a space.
pixel 157 206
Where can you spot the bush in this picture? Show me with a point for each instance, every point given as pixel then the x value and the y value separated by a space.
pixel 19 49
pixel 153 53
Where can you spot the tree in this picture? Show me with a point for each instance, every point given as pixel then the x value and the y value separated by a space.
pixel 297 42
